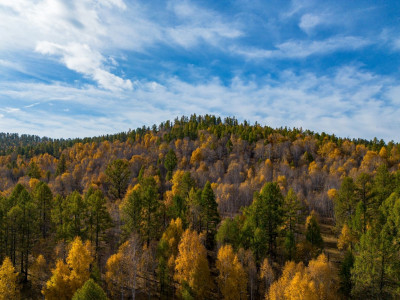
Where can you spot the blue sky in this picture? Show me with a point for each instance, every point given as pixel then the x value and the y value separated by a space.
pixel 90 67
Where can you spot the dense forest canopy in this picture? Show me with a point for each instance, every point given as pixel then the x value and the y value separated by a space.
pixel 200 208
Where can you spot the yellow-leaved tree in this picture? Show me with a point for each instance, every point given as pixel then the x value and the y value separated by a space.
pixel 116 274
pixel 9 289
pixel 278 287
pixel 346 239
pixel 123 268
pixel 191 266
pixel 232 279
pixel 168 251
pixel 301 287
pixel 57 287
pixel 79 260
pixel 317 281
pixel 69 277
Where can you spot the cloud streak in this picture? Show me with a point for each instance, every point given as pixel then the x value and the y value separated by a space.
pixel 84 60
pixel 301 49
pixel 349 102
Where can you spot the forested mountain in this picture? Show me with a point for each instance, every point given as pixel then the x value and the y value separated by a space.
pixel 200 208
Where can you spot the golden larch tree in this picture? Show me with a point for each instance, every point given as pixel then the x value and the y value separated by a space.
pixel 79 260
pixel 57 287
pixel 191 266
pixel 232 280
pixel 67 278
pixel 9 289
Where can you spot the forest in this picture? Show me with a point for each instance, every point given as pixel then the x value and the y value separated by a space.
pixel 200 208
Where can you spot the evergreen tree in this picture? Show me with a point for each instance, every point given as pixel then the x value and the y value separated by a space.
pixel 292 209
pixel 376 271
pixel 229 233
pixel 345 202
pixel 43 198
pixel 25 216
pixel 365 196
pixel 90 291
pixel 383 185
pixel 170 163
pixel 211 216
pixel 34 170
pixel 74 215
pixel 345 274
pixel 263 219
pixel 141 210
pixel 61 165
pixel 118 175
pixel 98 217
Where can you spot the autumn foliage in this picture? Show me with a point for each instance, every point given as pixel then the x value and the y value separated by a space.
pixel 200 207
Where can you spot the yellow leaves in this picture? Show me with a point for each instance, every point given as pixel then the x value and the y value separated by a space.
pixel 313 167
pixel 58 286
pixel 232 278
pixel 115 275
pixel 282 182
pixel 67 278
pixel 268 163
pixel 197 156
pixel 323 273
pixel 79 260
pixel 329 150
pixel 8 281
pixel 172 236
pixel 383 152
pixel 123 267
pixel 345 239
pixel 177 182
pixel 332 193
pixel 278 288
pixel 317 281
pixel 370 161
pixel 191 266
pixel 301 288
pixel 33 182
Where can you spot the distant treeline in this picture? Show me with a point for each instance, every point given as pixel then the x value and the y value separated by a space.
pixel 31 145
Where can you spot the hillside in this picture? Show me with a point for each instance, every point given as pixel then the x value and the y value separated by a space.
pixel 139 196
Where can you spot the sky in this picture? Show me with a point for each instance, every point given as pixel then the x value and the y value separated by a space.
pixel 78 68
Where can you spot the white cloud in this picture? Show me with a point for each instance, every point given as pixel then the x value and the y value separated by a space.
pixel 396 44
pixel 81 33
pixel 197 24
pixel 10 110
pixel 84 60
pixel 31 105
pixel 349 102
pixel 295 49
pixel 309 21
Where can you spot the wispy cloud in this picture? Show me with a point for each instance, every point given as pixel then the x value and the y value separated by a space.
pixel 349 102
pixel 84 60
pixel 309 21
pixel 300 49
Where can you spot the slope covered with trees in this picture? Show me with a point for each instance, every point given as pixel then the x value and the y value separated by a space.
pixel 200 208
